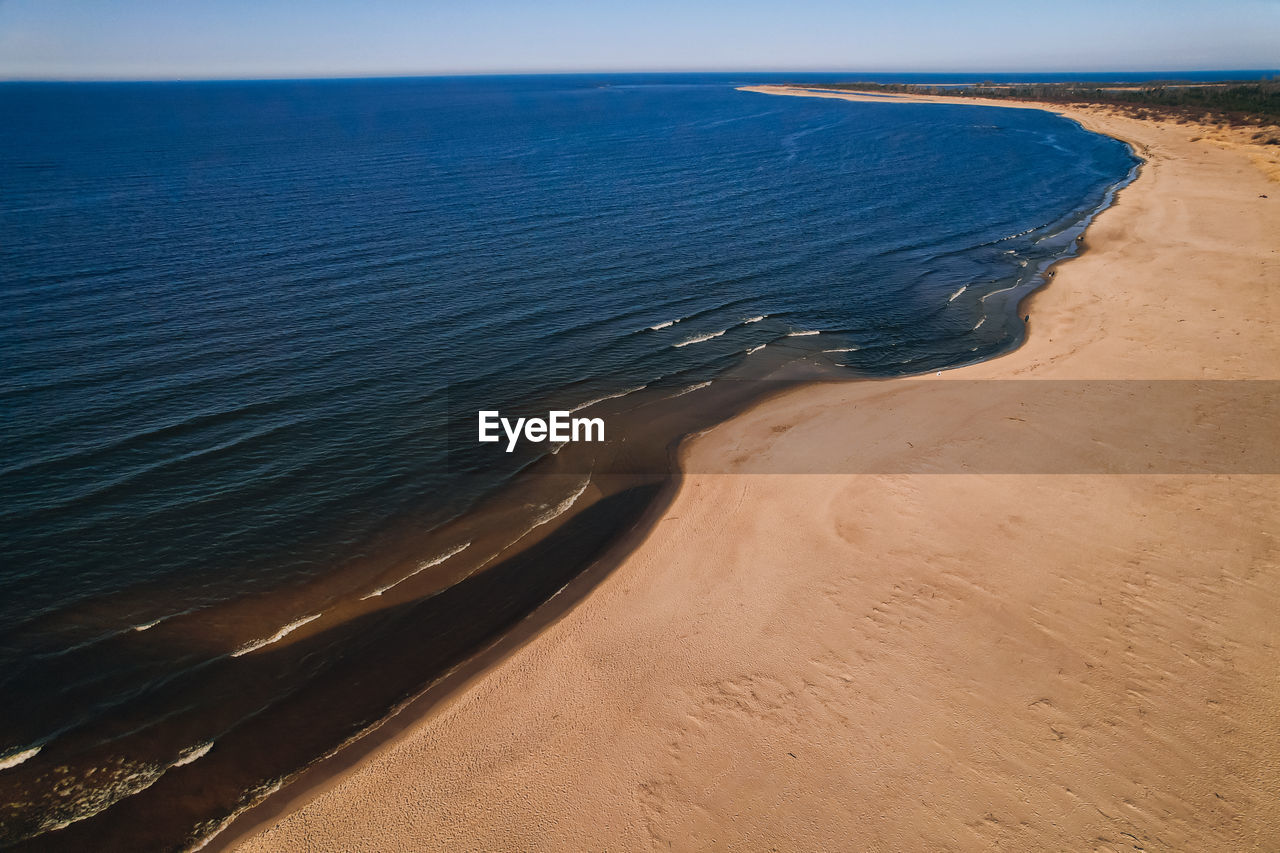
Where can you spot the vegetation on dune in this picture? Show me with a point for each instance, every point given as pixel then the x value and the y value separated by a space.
pixel 1237 102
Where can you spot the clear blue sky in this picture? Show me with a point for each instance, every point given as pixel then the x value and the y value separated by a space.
pixel 272 38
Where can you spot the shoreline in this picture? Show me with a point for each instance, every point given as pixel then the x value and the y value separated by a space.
pixel 631 529
pixel 320 622
pixel 438 693
pixel 409 729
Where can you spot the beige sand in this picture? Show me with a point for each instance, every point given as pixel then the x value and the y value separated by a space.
pixel 912 661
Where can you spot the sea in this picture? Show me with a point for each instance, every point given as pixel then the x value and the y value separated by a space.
pixel 246 326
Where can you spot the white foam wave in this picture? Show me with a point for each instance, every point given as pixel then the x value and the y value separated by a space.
pixel 842 349
pixel 663 325
pixel 803 334
pixel 193 753
pixel 953 297
pixel 147 626
pixel 211 829
pixel 1012 236
pixel 13 759
pixel 435 561
pixel 582 406
pixel 978 325
pixel 276 637
pixel 756 349
pixel 750 320
pixel 99 789
pixel 692 388
pixel 559 509
pixel 551 514
pixel 700 338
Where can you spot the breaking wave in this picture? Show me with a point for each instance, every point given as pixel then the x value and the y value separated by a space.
pixel 582 406
pixel 13 759
pixel 699 339
pixel 276 637
pixel 190 755
pixel 435 561
pixel 692 388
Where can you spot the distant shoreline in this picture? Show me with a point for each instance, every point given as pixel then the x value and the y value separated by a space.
pixel 1204 75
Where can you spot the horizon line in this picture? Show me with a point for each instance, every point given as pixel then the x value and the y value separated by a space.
pixel 1157 74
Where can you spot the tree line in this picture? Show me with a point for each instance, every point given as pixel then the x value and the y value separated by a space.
pixel 1252 102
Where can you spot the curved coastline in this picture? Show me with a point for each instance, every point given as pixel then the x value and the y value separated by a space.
pixel 440 695
pixel 319 619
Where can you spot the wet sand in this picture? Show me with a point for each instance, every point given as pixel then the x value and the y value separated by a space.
pixel 909 660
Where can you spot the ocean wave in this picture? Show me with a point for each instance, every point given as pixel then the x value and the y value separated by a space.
pixel 209 830
pixel 953 297
pixel 746 321
pixel 139 438
pixel 551 514
pixel 755 349
pixel 558 510
pixel 106 636
pixel 978 325
pixel 1008 237
pixel 80 799
pixel 691 388
pixel 699 339
pixel 582 406
pixel 276 637
pixel 842 349
pixel 110 635
pixel 435 561
pixel 987 296
pixel 192 754
pixel 667 324
pixel 13 759
pixel 804 333
pixel 147 626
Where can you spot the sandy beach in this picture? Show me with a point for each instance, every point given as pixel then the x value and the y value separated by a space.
pixel 912 660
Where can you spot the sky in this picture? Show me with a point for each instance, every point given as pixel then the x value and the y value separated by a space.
pixel 186 39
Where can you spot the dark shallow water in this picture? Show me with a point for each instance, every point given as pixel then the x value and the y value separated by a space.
pixel 237 318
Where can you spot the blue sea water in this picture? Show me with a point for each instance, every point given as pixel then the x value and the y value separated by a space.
pixel 235 317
